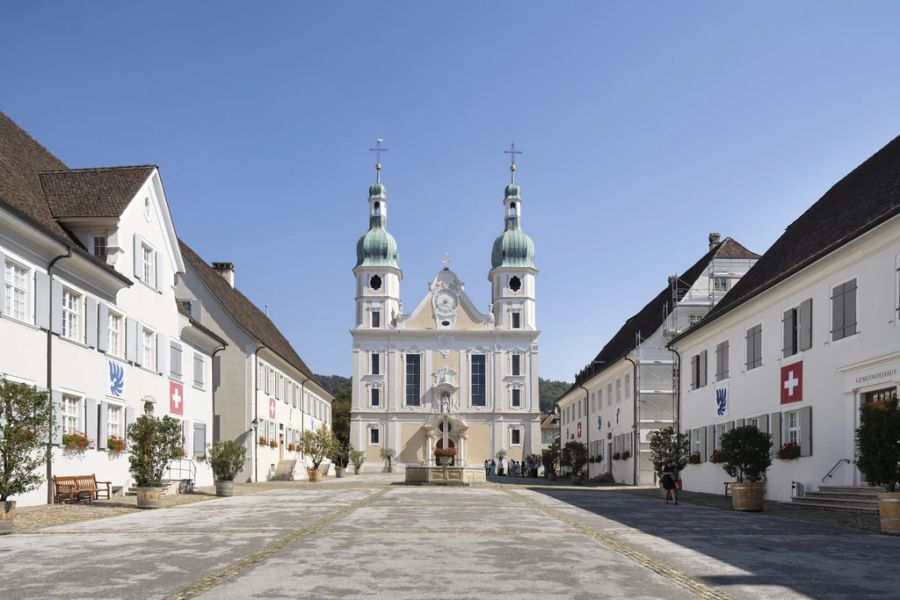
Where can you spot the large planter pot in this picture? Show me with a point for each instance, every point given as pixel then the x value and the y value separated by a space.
pixel 339 472
pixel 7 512
pixel 314 474
pixel 889 510
pixel 356 470
pixel 149 497
pixel 747 496
pixel 225 488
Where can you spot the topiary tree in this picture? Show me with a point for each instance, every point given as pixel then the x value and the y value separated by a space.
pixel 25 427
pixel 574 456
pixel 153 444
pixel 878 443
pixel 317 444
pixel 226 459
pixel 746 453
pixel 669 448
pixel 339 454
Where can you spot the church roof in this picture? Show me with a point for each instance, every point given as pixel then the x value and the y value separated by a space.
pixel 866 197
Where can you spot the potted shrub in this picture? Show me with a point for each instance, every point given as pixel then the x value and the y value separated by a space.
pixel 273 444
pixel 444 456
pixel 694 459
pixel 317 444
pixel 226 459
pixel 26 417
pixel 388 454
pixel 153 443
pixel 717 457
pixel 177 452
pixel 357 457
pixel 878 446
pixel 550 460
pixel 747 455
pixel 574 456
pixel 668 450
pixel 788 451
pixel 339 455
pixel 115 445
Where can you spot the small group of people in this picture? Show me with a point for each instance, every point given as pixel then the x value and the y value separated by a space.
pixel 507 468
pixel 671 482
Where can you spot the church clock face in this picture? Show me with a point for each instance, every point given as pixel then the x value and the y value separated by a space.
pixel 445 303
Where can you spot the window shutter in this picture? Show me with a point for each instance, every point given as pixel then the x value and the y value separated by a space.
pixel 837 313
pixel 138 255
pixel 57 418
pixel 763 421
pixel 850 308
pixel 103 433
pixel 102 328
pixel 729 426
pixel 3 278
pixel 701 435
pixel 129 419
pixel 694 372
pixel 159 266
pixel 56 306
pixel 710 441
pixel 131 342
pixel 703 376
pixel 775 431
pixel 787 326
pixel 90 421
pixel 187 437
pixel 160 353
pixel 90 323
pixel 804 316
pixel 200 439
pixel 725 347
pixel 42 300
pixel 806 431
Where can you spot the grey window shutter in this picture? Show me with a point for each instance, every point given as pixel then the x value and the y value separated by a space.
pixel 129 418
pixel 187 434
pixel 103 328
pixel 131 341
pixel 725 346
pixel 42 300
pixel 90 323
pixel 200 439
pixel 90 422
pixel 775 430
pixel 138 256
pixel 850 307
pixel 56 306
pixel 694 372
pixel 692 440
pixel 719 362
pixel 703 378
pixel 739 423
pixel 701 434
pixel 710 441
pixel 804 315
pixel 2 277
pixel 160 353
pixel 787 325
pixel 159 266
pixel 103 433
pixel 763 421
pixel 57 418
pixel 806 438
pixel 749 339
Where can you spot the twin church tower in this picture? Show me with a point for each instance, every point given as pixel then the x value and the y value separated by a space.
pixel 445 356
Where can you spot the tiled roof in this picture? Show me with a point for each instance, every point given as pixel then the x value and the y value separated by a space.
pixel 245 313
pixel 866 197
pixel 104 192
pixel 654 313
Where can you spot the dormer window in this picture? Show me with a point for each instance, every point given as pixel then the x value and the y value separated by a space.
pixel 99 246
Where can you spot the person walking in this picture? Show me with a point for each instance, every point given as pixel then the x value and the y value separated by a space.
pixel 493 468
pixel 669 483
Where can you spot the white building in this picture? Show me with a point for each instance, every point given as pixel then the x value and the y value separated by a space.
pixel 445 355
pixel 265 395
pixel 88 308
pixel 628 390
pixel 805 338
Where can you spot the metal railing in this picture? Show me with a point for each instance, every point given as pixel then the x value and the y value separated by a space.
pixel 831 471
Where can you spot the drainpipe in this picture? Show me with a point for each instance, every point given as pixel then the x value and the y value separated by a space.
pixel 676 382
pixel 255 442
pixel 50 266
pixel 302 417
pixel 636 443
pixel 587 419
pixel 213 386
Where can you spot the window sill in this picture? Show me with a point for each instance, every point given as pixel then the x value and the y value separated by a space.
pixel 29 325
pixel 200 388
pixel 73 341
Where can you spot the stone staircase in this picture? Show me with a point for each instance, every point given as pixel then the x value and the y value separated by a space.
pixel 841 497
pixel 284 471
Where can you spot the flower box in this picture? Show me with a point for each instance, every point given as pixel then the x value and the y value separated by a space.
pixel 788 451
pixel 263 441
pixel 717 457
pixel 273 444
pixel 617 456
pixel 76 442
pixel 115 445
pixel 694 459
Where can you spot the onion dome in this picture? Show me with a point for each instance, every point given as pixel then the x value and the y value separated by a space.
pixel 513 248
pixel 377 247
pixel 512 190
pixel 377 190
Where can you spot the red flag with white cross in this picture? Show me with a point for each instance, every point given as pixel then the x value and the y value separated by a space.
pixel 176 398
pixel 792 383
pixel 272 404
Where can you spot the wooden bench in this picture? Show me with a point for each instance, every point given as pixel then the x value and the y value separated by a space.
pixel 72 488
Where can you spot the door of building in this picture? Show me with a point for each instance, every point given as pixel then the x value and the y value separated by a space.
pixel 880 395
pixel 609 457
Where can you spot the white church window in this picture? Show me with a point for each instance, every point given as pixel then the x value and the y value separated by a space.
pixel 516 397
pixel 16 290
pixel 478 380
pixel 413 379
pixel 374 436
pixel 515 437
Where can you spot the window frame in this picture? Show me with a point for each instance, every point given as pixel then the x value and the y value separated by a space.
pixel 478 390
pixel 515 400
pixel 72 316
pixel 375 319
pixel 100 250
pixel 515 319
pixel 374 363
pixel 375 397
pixel 148 264
pixel 376 429
pixel 512 432
pixel 414 394
pixel 148 362
pixel 723 366
pixel 515 364
pixel 68 401
pixel 11 287
pixel 114 422
pixel 792 431
pixel 115 337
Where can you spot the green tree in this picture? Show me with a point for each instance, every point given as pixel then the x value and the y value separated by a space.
pixel 550 457
pixel 878 442
pixel 317 444
pixel 668 448
pixel 226 459
pixel 574 456
pixel 153 444
pixel 550 391
pixel 26 417
pixel 340 388
pixel 746 453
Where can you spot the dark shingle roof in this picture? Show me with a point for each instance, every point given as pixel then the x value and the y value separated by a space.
pixel 104 192
pixel 654 313
pixel 245 313
pixel 866 197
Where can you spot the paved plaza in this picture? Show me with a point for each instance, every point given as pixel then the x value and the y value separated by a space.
pixel 366 537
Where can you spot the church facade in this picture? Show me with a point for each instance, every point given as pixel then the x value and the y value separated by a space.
pixel 445 356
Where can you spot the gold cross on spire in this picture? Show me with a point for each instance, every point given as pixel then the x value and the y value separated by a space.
pixel 378 149
pixel 512 160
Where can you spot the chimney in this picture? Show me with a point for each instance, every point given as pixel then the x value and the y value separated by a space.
pixel 226 270
pixel 714 239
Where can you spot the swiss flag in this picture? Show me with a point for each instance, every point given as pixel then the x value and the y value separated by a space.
pixel 792 383
pixel 176 398
pixel 272 404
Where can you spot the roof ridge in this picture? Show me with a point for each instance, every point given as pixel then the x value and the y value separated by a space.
pixel 95 169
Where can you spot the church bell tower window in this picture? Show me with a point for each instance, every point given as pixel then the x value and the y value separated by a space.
pixel 375 282
pixel 515 284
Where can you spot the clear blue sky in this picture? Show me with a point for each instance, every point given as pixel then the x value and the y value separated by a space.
pixel 644 126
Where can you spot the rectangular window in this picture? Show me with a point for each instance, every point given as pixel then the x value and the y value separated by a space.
pixel 16 291
pixel 789 328
pixel 722 361
pixel 609 394
pixel 600 398
pixel 375 397
pixel 114 334
pixel 71 314
pixel 516 364
pixel 516 319
pixel 71 414
pixel 100 246
pixel 515 437
pixel 114 420
pixel 374 436
pixel 198 370
pixel 579 410
pixel 149 349
pixel 413 379
pixel 694 319
pixel 618 390
pixel 273 375
pixel 148 265
pixel 628 386
pixel 516 398
pixel 754 422
pixel 175 359
pixel 376 319
pixel 479 397
pixel 720 284
pixel 754 347
pixel 376 363
pixel 843 310
pixel 792 426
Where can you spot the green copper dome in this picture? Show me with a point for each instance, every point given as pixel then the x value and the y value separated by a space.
pixel 513 248
pixel 512 190
pixel 377 248
pixel 377 190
